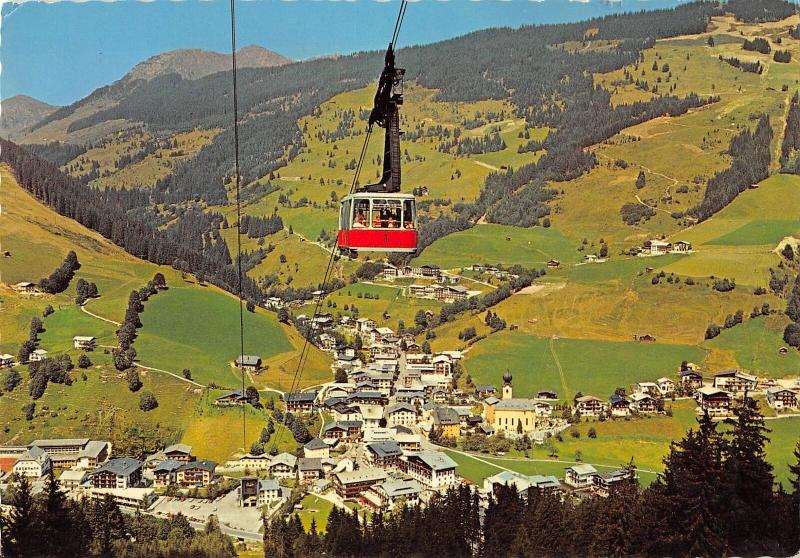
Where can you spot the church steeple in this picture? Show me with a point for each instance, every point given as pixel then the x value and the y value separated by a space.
pixel 507 389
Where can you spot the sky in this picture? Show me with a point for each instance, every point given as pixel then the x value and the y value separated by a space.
pixel 60 52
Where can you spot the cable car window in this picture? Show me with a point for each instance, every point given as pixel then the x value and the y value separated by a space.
pixel 408 214
pixel 361 214
pixel 344 215
pixel 386 214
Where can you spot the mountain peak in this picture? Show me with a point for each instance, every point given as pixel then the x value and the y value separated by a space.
pixel 20 112
pixel 196 63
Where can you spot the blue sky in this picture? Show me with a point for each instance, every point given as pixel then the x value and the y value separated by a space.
pixel 60 52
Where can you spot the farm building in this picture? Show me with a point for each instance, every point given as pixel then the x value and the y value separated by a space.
pixel 782 398
pixel 714 401
pixel 25 287
pixel 234 397
pixel 37 355
pixel 735 381
pixel 84 342
pixel 300 402
pixel 249 363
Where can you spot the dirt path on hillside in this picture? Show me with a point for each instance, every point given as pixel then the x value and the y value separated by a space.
pixel 314 242
pixel 139 364
pixel 556 360
pixel 487 166
pixel 531 289
pixel 93 315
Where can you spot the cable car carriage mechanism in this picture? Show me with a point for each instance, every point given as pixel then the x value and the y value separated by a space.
pixel 378 217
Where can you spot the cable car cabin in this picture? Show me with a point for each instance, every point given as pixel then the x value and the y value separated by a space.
pixel 378 222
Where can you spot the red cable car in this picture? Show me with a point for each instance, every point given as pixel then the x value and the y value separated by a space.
pixel 378 222
pixel 377 217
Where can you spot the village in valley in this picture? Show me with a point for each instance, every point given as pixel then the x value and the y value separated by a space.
pixel 389 425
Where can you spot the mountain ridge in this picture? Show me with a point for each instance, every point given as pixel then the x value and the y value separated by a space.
pixel 20 112
pixel 195 63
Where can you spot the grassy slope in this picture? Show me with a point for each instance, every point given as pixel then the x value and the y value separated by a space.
pixel 569 365
pixel 500 244
pixel 38 239
pixel 153 167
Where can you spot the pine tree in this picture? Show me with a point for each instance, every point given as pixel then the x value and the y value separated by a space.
pixel 22 526
pixel 691 483
pixel 750 479
pixel 107 524
pixel 57 527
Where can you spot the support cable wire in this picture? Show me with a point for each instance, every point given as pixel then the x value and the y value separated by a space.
pixel 238 215
pixel 296 378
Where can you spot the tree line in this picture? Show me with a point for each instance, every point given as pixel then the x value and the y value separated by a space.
pixel 57 152
pixel 259 227
pixel 716 497
pixel 59 279
pixel 753 11
pixel 124 354
pixel 752 67
pixel 750 151
pixel 791 334
pixel 791 138
pixel 117 215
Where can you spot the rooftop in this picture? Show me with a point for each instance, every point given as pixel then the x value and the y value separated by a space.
pixel 202 464
pixel 56 442
pixel 436 460
pixel 385 449
pixel 301 397
pixel 309 464
pixel 123 466
pixel 400 488
pixel 179 448
pixel 93 449
pixel 248 360
pixel 583 469
pixel 516 404
pixel 167 466
pixel 315 444
pixel 361 475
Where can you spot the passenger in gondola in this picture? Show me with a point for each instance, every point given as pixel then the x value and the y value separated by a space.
pixel 360 222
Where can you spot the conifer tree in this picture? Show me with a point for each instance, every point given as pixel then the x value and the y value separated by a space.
pixel 22 526
pixel 750 479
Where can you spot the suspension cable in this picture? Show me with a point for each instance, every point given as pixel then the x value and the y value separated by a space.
pixel 304 352
pixel 238 215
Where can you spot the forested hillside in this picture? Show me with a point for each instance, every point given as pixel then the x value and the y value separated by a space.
pixel 544 76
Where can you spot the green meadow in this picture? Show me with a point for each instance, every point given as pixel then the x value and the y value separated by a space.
pixel 101 406
pixel 220 432
pixel 198 328
pixel 755 345
pixel 590 366
pixel 760 232
pixel 531 247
